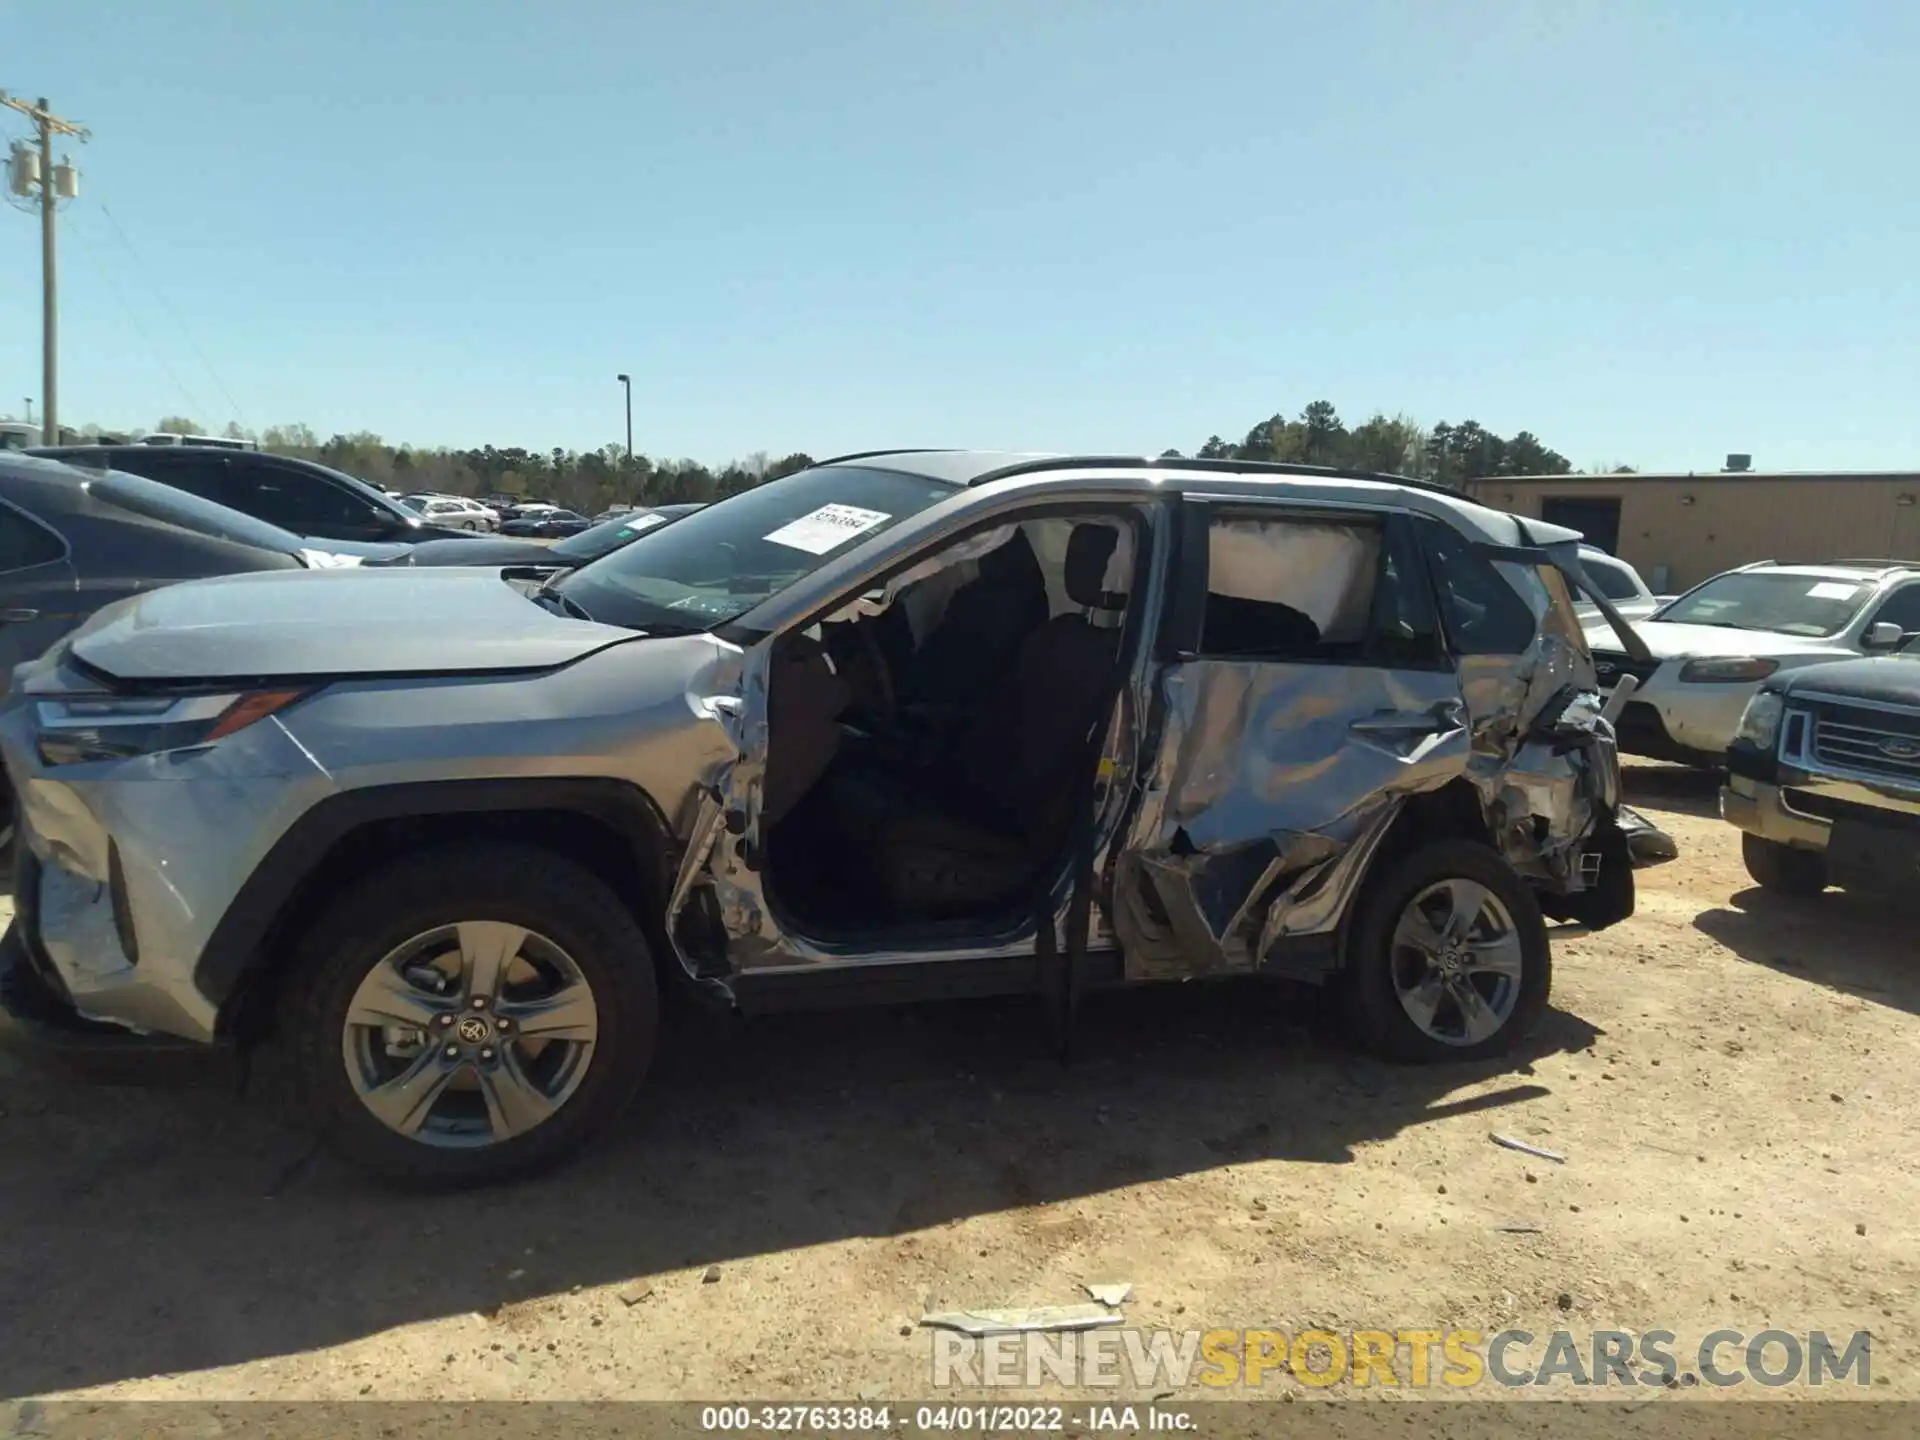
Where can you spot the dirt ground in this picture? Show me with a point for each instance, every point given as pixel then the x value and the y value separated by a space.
pixel 1732 1078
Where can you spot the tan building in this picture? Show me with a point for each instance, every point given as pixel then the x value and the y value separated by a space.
pixel 1678 530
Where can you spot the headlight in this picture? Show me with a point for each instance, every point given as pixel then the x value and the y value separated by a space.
pixel 74 731
pixel 1760 724
pixel 1730 670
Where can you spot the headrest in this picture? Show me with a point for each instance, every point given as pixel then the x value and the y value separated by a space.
pixel 1089 548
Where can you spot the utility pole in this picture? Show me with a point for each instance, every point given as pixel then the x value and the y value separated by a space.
pixel 55 185
pixel 627 382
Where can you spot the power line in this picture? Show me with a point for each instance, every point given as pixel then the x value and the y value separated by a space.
pixel 193 405
pixel 186 333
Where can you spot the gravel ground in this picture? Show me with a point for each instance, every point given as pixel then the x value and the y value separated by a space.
pixel 1724 1074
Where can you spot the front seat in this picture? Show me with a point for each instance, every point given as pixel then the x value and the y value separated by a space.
pixel 980 634
pixel 1003 810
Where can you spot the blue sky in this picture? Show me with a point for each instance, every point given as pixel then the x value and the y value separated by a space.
pixel 1651 233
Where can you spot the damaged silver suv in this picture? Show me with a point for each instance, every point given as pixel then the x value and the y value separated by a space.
pixel 904 725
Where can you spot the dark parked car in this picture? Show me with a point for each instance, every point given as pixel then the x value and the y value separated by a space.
pixel 545 524
pixel 296 495
pixel 569 554
pixel 71 542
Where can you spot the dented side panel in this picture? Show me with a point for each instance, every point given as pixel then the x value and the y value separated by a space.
pixel 1267 776
pixel 1275 784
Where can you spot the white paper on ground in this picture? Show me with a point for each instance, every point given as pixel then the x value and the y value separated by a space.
pixel 826 528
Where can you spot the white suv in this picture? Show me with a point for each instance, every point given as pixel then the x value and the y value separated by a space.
pixel 1714 645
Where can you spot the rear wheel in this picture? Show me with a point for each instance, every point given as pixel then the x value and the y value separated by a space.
pixel 1783 869
pixel 470 1014
pixel 1450 959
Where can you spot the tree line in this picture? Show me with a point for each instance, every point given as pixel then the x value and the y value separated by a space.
pixel 593 480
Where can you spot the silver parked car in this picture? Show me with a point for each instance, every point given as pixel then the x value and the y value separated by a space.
pixel 902 725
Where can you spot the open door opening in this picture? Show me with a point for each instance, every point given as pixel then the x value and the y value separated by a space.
pixel 925 744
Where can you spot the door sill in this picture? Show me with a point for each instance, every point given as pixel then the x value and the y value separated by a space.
pixel 845 987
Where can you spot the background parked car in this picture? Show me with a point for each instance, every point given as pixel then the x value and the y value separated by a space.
pixel 453 511
pixel 545 524
pixel 1713 646
pixel 73 541
pixel 1824 778
pixel 568 554
pixel 296 495
pixel 1620 583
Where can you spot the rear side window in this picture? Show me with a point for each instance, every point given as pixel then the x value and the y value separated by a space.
pixel 137 495
pixel 295 500
pixel 25 543
pixel 1481 612
pixel 197 474
pixel 1312 590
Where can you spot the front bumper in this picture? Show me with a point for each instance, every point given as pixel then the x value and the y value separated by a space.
pixel 124 868
pixel 1759 807
pixel 1693 724
pixel 1871 839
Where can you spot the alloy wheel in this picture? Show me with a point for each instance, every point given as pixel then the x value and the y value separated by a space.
pixel 1457 962
pixel 470 1034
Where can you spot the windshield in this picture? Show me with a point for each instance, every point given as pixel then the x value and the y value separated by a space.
pixel 150 499
pixel 724 559
pixel 1809 605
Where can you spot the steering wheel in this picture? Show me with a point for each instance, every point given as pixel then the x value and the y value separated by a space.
pixel 889 716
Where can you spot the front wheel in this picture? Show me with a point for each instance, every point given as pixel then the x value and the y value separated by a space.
pixel 1783 869
pixel 1450 959
pixel 470 1014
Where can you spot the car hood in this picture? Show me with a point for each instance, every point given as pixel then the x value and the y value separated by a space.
pixel 358 621
pixel 484 550
pixel 1891 679
pixel 1669 641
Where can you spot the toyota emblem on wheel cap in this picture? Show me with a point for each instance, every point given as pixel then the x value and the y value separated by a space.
pixel 473 1029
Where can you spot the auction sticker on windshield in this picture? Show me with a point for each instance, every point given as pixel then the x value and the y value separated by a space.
pixel 826 528
pixel 1833 590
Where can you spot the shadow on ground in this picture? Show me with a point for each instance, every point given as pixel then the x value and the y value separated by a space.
pixel 1678 789
pixel 165 1230
pixel 1858 944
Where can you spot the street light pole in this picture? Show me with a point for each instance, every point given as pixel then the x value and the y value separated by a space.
pixel 626 382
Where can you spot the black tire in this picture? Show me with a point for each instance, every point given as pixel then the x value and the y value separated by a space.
pixel 1783 869
pixel 521 885
pixel 1376 1019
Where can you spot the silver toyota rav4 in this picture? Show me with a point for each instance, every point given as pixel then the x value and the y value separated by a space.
pixel 904 725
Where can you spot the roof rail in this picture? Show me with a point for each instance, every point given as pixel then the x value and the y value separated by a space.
pixel 891 450
pixel 1753 565
pixel 1871 560
pixel 1216 467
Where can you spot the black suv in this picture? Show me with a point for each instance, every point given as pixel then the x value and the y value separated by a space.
pixel 1824 777
pixel 296 495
